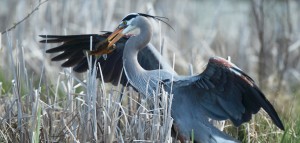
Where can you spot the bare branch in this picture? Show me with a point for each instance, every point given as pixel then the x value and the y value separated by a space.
pixel 26 17
pixel 286 43
pixel 258 12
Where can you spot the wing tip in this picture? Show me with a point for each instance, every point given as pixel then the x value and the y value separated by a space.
pixel 260 97
pixel 268 107
pixel 280 126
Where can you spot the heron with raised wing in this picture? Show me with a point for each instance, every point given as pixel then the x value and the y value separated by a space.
pixel 222 91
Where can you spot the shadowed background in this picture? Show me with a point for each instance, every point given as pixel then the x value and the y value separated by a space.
pixel 261 37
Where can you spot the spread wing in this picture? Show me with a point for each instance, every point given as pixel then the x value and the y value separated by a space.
pixel 74 48
pixel 223 91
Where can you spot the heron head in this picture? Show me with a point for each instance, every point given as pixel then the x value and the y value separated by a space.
pixel 127 24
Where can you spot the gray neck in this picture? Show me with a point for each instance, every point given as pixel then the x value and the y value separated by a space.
pixel 135 73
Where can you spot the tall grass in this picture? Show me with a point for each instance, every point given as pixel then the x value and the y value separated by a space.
pixel 83 111
pixel 39 102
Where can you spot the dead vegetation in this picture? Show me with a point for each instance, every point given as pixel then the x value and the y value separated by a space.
pixel 40 102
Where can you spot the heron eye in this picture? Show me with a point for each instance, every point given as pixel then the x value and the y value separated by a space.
pixel 125 22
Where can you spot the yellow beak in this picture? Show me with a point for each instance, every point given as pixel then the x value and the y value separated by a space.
pixel 115 36
pixel 107 46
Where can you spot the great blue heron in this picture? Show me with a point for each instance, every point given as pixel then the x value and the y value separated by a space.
pixel 222 91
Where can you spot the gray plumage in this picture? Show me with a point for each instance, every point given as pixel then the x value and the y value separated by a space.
pixel 222 91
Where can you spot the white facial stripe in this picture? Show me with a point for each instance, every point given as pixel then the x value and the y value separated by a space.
pixel 130 21
pixel 128 29
pixel 127 21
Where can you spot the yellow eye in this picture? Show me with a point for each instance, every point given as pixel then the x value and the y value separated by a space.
pixel 125 22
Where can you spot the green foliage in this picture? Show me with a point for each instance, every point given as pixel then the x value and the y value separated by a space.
pixel 55 109
pixel 6 85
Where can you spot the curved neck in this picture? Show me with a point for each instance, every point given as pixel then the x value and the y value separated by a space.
pixel 136 75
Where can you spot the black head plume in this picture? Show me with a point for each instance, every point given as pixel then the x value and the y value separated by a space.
pixel 130 16
pixel 159 18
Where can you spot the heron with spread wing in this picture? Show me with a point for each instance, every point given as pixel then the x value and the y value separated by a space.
pixel 222 91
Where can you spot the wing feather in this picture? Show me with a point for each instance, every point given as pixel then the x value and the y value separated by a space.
pixel 226 92
pixel 74 47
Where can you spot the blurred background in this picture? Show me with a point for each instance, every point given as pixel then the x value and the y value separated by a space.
pixel 262 37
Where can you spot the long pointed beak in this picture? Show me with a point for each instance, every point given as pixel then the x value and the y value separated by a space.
pixel 115 36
